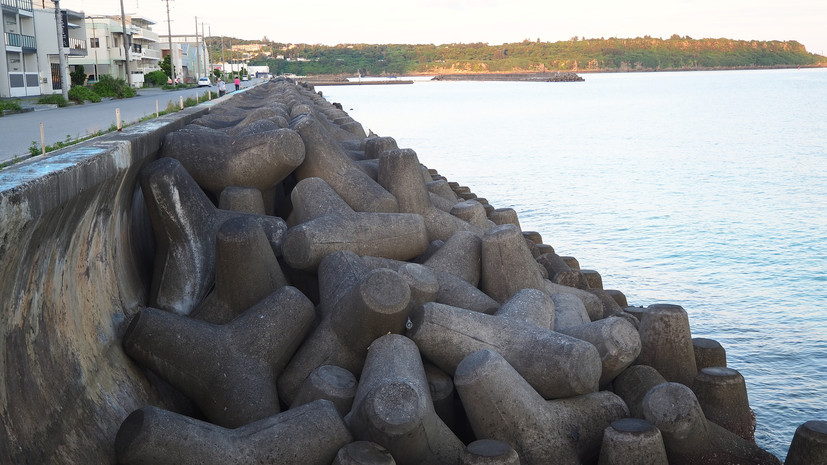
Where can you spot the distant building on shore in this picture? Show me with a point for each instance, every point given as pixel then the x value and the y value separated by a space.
pixel 105 43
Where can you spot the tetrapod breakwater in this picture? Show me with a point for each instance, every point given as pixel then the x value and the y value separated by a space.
pixel 260 281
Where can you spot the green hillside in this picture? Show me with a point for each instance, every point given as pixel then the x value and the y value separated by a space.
pixel 613 54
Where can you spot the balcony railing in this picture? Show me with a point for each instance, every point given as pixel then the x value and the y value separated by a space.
pixel 139 33
pixel 19 4
pixel 77 47
pixel 21 40
pixel 77 43
pixel 151 54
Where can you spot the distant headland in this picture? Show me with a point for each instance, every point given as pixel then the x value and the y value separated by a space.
pixel 578 55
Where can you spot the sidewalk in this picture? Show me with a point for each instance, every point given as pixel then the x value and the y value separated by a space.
pixel 18 131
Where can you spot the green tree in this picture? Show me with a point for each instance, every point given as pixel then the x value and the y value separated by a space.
pixel 78 76
pixel 166 66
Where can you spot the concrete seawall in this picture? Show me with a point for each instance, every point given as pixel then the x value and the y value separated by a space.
pixel 75 257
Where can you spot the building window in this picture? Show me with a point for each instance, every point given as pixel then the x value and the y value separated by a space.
pixel 55 76
pixel 94 42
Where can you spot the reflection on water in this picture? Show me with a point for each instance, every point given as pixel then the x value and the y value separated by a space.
pixel 707 190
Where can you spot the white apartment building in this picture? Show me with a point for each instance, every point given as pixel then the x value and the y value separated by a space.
pixel 29 60
pixel 105 45
pixel 189 56
pixel 74 45
pixel 19 71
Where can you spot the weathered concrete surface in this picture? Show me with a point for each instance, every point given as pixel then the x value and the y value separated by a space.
pixel 65 384
pixel 75 256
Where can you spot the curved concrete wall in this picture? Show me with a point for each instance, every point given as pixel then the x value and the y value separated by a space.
pixel 75 256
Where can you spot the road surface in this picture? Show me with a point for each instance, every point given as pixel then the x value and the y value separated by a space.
pixel 18 131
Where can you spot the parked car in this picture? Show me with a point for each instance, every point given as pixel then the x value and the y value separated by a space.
pixel 204 81
pixel 245 78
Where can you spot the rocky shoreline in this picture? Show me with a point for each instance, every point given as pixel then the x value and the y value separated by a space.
pixel 363 309
pixel 312 294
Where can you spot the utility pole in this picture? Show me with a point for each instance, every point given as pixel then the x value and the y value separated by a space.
pixel 169 32
pixel 208 70
pixel 223 61
pixel 197 50
pixel 64 87
pixel 126 47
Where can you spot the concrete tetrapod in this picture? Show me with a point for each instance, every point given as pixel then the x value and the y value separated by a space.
pixel 338 273
pixel 230 370
pixel 330 383
pixel 666 343
pixel 501 405
pixel 555 365
pixel 722 393
pixel 242 199
pixel 632 441
pixel 569 311
pixel 507 264
pixel 442 394
pixel 507 267
pixel 489 452
pixel 363 453
pixel 217 160
pixel 560 273
pixel 617 341
pixel 393 406
pixel 376 146
pixel 472 212
pixel 399 173
pixel 335 226
pixel 809 446
pixel 633 384
pixel 246 271
pixel 307 435
pixel 460 256
pixel 690 438
pixel 529 306
pixel 325 159
pixel 185 223
pixel 453 290
pixel 708 353
pixel 376 305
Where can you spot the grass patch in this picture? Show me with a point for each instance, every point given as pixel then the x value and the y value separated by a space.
pixel 11 105
pixel 54 99
pixel 35 149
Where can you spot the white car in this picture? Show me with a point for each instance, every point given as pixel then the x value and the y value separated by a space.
pixel 245 78
pixel 204 81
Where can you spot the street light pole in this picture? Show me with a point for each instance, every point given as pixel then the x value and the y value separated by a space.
pixel 197 52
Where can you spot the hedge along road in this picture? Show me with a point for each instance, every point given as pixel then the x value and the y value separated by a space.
pixel 19 130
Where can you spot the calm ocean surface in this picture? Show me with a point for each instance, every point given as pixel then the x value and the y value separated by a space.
pixel 703 189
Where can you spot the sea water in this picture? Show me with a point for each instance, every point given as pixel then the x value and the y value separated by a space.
pixel 703 189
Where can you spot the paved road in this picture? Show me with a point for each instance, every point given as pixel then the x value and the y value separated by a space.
pixel 18 131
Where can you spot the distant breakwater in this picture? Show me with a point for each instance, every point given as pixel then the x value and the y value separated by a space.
pixel 556 76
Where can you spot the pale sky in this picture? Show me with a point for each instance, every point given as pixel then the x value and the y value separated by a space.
pixel 492 21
